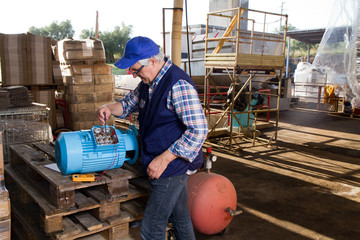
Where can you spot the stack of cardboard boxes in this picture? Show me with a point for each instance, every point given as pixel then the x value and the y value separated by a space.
pixel 26 60
pixel 13 59
pixel 88 80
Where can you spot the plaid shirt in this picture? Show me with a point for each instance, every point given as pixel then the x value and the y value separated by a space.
pixel 184 100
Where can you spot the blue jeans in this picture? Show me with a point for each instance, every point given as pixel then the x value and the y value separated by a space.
pixel 167 202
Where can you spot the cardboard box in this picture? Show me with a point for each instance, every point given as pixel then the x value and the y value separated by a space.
pixel 77 50
pixel 81 108
pixel 82 116
pixel 91 97
pixel 82 125
pixel 78 79
pixel 77 69
pixel 88 124
pixel 88 117
pixel 80 89
pixel 14 69
pixel 85 69
pixel 102 69
pixel 104 79
pixel 39 59
pixel 103 88
pixel 80 73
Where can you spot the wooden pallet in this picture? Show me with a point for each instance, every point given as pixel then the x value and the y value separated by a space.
pixel 74 228
pixel 60 188
pixel 94 202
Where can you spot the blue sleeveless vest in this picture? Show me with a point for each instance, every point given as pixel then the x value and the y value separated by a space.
pixel 160 127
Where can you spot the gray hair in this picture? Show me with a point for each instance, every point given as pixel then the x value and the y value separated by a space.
pixel 159 57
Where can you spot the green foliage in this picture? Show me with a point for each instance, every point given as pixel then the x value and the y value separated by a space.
pixel 114 42
pixel 55 30
pixel 290 27
pixel 298 48
pixel 87 33
pixel 117 71
pixel 334 48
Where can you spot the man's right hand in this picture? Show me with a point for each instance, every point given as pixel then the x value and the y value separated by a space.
pixel 102 112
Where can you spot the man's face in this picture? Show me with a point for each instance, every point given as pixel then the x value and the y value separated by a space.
pixel 145 73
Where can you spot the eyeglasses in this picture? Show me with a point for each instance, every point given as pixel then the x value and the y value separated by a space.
pixel 136 72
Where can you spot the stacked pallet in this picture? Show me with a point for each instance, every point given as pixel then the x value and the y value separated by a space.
pixel 88 80
pixel 5 220
pixel 49 205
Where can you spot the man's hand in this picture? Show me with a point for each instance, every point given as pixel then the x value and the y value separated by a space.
pixel 109 109
pixel 101 112
pixel 158 165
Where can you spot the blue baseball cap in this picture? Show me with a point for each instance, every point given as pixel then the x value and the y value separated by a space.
pixel 136 49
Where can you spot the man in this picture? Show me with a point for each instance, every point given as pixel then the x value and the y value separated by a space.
pixel 172 130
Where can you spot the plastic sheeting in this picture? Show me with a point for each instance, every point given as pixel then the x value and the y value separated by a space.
pixel 338 55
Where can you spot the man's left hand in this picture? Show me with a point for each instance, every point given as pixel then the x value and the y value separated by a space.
pixel 158 165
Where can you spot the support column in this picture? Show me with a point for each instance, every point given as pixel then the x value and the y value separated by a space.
pixel 176 33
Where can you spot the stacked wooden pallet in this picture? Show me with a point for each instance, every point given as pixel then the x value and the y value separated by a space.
pixel 49 205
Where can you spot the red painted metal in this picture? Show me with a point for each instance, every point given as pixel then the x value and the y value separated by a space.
pixel 209 195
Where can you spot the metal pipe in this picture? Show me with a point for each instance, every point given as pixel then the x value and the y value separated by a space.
pixel 187 37
pixel 287 58
pixel 163 15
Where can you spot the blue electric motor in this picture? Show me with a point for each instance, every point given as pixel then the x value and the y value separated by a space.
pixel 95 150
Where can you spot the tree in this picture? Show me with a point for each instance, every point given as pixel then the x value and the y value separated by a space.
pixel 298 48
pixel 54 30
pixel 114 42
pixel 87 33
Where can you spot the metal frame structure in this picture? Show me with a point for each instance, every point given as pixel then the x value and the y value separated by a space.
pixel 238 63
pixel 24 125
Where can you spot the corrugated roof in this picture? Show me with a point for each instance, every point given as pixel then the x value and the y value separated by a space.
pixel 308 36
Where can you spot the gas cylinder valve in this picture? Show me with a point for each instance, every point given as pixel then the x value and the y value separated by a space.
pixel 233 212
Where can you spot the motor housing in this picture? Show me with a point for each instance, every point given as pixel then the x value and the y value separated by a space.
pixel 98 149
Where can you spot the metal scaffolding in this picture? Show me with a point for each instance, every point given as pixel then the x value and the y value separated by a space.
pixel 242 52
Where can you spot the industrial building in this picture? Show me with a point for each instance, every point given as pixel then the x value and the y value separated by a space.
pixel 282 153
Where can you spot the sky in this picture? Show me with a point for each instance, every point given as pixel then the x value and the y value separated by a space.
pixel 144 15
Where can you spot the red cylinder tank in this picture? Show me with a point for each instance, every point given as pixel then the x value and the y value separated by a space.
pixel 209 195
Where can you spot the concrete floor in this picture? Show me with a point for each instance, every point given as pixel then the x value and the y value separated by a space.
pixel 307 188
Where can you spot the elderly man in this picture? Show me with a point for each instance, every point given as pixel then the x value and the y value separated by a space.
pixel 172 130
